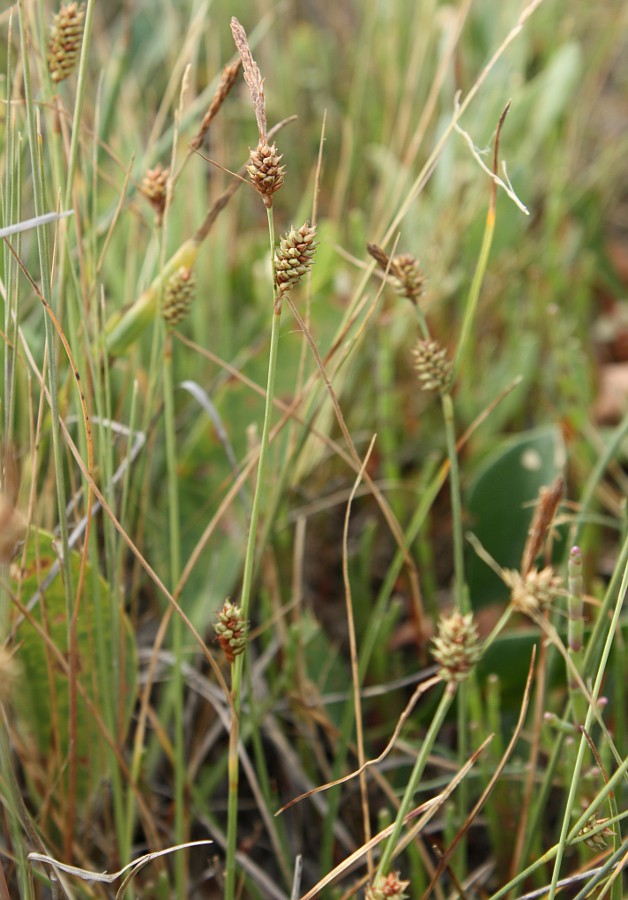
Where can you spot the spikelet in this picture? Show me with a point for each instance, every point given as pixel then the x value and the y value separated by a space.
pixel 178 296
pixel 531 593
pixel 387 887
pixel 293 258
pixel 456 647
pixel 231 630
pixel 432 366
pixel 64 43
pixel 404 271
pixel 597 841
pixel 265 171
pixel 154 187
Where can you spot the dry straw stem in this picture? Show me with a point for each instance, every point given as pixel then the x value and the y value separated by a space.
pixel 420 689
pixel 252 76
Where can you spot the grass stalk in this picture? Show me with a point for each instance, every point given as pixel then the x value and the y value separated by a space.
pixel 597 686
pixel 415 777
pixel 237 667
pixel 174 530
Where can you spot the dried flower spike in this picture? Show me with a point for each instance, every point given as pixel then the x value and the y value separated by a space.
pixel 456 647
pixel 64 43
pixel 387 887
pixel 178 296
pixel 227 80
pixel 536 590
pixel 252 75
pixel 154 187
pixel 265 171
pixel 293 258
pixel 432 366
pixel 231 630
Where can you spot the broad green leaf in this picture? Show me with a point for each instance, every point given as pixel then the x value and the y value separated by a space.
pixel 106 669
pixel 500 504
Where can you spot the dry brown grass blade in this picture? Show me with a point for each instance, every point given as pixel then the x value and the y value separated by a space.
pixel 419 690
pixel 428 810
pixel 493 781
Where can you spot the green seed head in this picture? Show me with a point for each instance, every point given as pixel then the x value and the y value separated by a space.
pixel 456 648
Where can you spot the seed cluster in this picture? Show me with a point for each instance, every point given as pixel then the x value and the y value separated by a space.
pixel 432 366
pixel 154 186
pixel 64 43
pixel 178 296
pixel 265 171
pixel 293 257
pixel 534 591
pixel 231 630
pixel 387 887
pixel 456 648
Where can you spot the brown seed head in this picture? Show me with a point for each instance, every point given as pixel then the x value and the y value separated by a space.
pixel 231 630
pixel 293 257
pixel 64 42
pixel 154 187
pixel 265 171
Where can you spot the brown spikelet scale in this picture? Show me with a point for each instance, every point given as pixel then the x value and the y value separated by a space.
pixel 432 366
pixel 456 648
pixel 387 887
pixel 265 171
pixel 154 187
pixel 293 257
pixel 178 296
pixel 64 42
pixel 231 630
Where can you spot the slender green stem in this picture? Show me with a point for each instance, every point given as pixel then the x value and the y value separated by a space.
pixel 474 291
pixel 247 580
pixel 460 595
pixel 575 605
pixel 415 777
pixel 595 693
